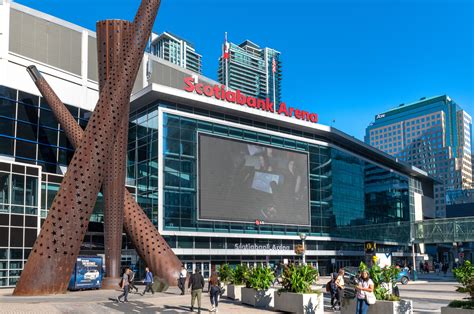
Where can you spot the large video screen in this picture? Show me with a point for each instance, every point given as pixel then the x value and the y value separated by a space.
pixel 243 181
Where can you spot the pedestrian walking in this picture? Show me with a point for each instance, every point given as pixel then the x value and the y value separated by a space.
pixel 214 292
pixel 131 278
pixel 422 268
pixel 148 281
pixel 182 279
pixel 427 267
pixel 365 286
pixel 340 287
pixel 333 291
pixel 124 284
pixel 445 268
pixel 437 268
pixel 196 283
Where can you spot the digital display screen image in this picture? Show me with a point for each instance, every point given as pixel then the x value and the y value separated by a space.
pixel 245 182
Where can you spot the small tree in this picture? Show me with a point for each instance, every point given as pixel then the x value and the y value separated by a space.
pixel 465 276
pixel 383 278
pixel 299 279
pixel 225 273
pixel 259 278
pixel 238 274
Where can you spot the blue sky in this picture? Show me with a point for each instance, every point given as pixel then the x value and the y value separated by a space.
pixel 344 59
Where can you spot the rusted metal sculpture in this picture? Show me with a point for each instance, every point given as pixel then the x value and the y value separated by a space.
pixel 109 55
pixel 54 253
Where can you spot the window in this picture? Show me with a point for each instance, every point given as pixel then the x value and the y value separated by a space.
pixel 7 126
pixel 7 108
pixel 25 149
pixel 18 187
pixel 27 113
pixel 27 131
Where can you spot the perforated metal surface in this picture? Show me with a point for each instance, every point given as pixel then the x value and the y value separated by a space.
pixel 148 242
pixel 51 261
pixel 111 35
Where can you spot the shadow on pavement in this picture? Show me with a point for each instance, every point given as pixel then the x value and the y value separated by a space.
pixel 143 307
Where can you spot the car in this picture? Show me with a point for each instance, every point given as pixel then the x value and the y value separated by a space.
pixel 350 276
pixel 92 274
pixel 403 276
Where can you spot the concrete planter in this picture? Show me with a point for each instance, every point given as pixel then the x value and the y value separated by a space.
pixel 258 298
pixel 380 307
pixel 300 303
pixel 234 291
pixel 453 310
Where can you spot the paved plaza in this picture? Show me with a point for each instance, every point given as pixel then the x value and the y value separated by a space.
pixel 101 301
pixel 429 294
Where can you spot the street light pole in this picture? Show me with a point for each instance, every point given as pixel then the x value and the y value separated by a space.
pixel 303 238
pixel 413 259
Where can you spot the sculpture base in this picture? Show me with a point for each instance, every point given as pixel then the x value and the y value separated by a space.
pixel 160 285
pixel 111 283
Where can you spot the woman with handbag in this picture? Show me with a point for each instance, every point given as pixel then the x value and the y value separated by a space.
pixel 214 291
pixel 365 293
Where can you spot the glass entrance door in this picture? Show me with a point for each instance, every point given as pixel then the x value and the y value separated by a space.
pixel 204 266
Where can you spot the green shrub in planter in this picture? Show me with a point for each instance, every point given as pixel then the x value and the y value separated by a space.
pixel 259 278
pixel 238 275
pixel 225 273
pixel 461 304
pixel 465 276
pixel 299 279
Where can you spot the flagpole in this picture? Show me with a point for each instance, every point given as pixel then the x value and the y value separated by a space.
pixel 226 64
pixel 274 90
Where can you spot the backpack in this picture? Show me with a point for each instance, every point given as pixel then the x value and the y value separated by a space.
pixel 328 286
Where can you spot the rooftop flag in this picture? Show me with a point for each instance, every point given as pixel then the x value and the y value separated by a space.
pixel 226 48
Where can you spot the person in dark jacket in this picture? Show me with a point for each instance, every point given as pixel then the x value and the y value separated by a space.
pixel 196 283
pixel 148 281
pixel 131 278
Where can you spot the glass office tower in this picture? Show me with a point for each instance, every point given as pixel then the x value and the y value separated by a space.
pixel 176 50
pixel 433 134
pixel 249 69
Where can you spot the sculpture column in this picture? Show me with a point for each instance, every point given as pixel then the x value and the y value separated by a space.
pixel 111 37
pixel 146 239
pixel 54 253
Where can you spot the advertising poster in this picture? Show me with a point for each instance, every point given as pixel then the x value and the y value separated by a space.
pixel 384 259
pixel 87 273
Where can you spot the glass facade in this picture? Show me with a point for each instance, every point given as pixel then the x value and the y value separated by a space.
pixel 19 221
pixel 250 71
pixel 30 132
pixel 432 134
pixel 345 190
pixel 36 153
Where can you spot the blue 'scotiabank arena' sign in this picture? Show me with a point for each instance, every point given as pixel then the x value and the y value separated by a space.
pixel 237 97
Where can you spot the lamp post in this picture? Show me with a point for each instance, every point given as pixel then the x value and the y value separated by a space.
pixel 303 237
pixel 413 259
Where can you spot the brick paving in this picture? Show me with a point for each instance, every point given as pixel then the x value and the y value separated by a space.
pixel 101 301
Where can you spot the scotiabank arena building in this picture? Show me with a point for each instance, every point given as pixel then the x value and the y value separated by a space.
pixel 225 177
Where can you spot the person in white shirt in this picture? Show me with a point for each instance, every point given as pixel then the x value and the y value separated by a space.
pixel 365 285
pixel 340 287
pixel 182 279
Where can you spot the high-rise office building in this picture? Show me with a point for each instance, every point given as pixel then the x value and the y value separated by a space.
pixel 253 70
pixel 176 50
pixel 433 134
